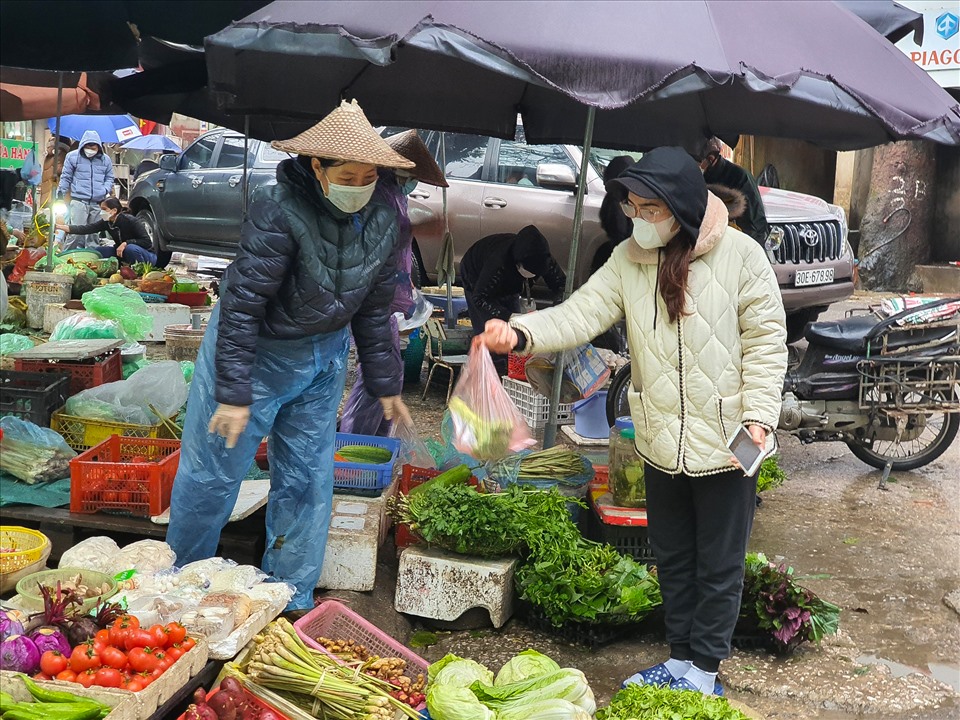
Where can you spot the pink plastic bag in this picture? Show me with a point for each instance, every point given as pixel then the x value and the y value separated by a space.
pixel 486 423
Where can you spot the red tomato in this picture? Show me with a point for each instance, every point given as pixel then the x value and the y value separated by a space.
pixel 101 639
pixel 67 675
pixel 123 626
pixel 141 660
pixel 134 684
pixel 159 634
pixel 42 676
pixel 188 644
pixel 87 677
pixel 53 662
pixel 145 678
pixel 138 639
pixel 113 657
pixel 163 660
pixel 108 677
pixel 176 632
pixel 175 652
pixel 84 657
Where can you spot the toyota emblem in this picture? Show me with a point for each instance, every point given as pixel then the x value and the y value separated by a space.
pixel 810 237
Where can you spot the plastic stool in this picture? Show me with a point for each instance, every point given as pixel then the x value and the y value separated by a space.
pixel 435 584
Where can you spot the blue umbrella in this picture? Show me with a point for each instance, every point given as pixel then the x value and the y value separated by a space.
pixel 110 128
pixel 151 143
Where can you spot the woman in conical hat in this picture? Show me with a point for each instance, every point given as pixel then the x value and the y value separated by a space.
pixel 316 262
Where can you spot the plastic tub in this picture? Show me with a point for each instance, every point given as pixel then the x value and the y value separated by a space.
pixel 42 289
pixel 183 341
pixel 29 591
pixel 590 416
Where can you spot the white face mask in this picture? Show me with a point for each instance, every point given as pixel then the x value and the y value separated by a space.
pixel 106 215
pixel 651 236
pixel 349 199
pixel 89 152
pixel 525 273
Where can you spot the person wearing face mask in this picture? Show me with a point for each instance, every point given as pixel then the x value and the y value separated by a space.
pixel 88 177
pixel 497 269
pixel 707 337
pixel 362 413
pixel 717 170
pixel 316 261
pixel 131 242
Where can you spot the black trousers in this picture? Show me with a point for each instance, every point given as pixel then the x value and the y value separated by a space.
pixel 699 527
pixel 479 317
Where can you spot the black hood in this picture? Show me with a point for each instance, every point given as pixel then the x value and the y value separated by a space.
pixel 674 177
pixel 531 249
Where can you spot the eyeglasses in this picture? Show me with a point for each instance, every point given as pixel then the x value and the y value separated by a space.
pixel 633 211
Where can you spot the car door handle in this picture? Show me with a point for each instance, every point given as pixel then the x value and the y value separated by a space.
pixel 419 195
pixel 234 180
pixel 196 180
pixel 494 202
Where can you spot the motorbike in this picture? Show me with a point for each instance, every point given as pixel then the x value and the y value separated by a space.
pixel 888 388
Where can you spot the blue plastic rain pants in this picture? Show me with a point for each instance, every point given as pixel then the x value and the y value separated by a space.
pixel 297 388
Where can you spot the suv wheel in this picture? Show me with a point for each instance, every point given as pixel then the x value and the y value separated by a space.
pixel 797 322
pixel 416 267
pixel 150 221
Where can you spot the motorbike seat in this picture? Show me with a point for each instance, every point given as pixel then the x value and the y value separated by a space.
pixel 850 334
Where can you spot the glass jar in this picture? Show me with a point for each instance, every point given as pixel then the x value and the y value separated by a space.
pixel 627 483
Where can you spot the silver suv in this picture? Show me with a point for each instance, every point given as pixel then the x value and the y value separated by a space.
pixel 193 204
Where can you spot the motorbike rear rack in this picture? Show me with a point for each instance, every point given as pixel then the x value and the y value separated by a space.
pixel 909 385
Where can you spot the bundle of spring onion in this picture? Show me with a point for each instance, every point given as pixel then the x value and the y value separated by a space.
pixel 31 453
pixel 315 682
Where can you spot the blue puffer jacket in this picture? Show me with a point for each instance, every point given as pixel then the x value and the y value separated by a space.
pixel 87 179
pixel 305 268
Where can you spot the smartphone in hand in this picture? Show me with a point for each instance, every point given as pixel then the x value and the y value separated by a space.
pixel 746 451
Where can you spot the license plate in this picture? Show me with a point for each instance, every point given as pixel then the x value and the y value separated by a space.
pixel 813 277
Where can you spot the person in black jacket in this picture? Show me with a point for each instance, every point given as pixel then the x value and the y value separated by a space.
pixel 717 170
pixel 131 242
pixel 316 261
pixel 497 269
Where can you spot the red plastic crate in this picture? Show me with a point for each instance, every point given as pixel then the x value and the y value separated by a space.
pixel 262 458
pixel 105 478
pixel 336 621
pixel 516 366
pixel 84 374
pixel 410 478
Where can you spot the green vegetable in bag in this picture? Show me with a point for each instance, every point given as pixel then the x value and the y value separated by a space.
pixel 116 302
pixel 84 326
pixel 11 343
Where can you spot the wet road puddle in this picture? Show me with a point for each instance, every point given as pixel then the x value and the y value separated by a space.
pixel 945 673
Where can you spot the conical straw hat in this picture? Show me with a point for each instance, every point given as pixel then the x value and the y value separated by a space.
pixel 345 134
pixel 411 147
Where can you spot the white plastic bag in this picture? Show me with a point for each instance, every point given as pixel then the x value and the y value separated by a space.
pixel 160 385
pixel 147 557
pixel 94 553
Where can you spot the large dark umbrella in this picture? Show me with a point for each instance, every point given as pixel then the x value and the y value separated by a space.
pixel 625 75
pixel 103 34
pixel 890 19
pixel 658 72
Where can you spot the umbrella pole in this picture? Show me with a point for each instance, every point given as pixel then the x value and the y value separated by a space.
pixel 550 429
pixel 51 231
pixel 451 320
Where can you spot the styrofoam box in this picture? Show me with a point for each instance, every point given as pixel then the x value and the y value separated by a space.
pixel 350 559
pixel 163 314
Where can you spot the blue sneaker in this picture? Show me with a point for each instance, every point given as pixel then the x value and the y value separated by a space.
pixel 684 684
pixel 656 675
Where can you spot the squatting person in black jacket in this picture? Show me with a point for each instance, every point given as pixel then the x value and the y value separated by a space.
pixel 717 170
pixel 131 242
pixel 316 260
pixel 495 271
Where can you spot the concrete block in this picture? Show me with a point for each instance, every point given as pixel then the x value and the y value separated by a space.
pixel 163 314
pixel 350 560
pixel 436 584
pixel 938 278
pixel 379 505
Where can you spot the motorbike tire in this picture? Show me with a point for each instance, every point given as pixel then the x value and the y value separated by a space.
pixel 942 441
pixel 617 405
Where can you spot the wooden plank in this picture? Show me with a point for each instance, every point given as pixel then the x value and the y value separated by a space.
pixel 68 350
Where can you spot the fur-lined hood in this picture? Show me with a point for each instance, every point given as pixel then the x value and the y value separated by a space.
pixel 735 200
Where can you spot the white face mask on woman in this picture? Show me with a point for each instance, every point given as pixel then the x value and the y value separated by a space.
pixel 350 199
pixel 651 236
pixel 106 215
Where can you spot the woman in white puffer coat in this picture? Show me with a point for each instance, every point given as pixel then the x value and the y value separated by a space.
pixel 707 339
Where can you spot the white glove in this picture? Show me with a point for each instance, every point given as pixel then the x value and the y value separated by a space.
pixel 394 409
pixel 229 422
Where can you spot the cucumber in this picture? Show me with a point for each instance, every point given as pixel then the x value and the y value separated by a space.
pixel 365 454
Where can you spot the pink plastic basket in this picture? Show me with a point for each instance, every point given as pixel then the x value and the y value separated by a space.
pixel 336 621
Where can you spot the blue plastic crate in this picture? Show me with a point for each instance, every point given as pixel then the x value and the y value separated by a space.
pixel 364 477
